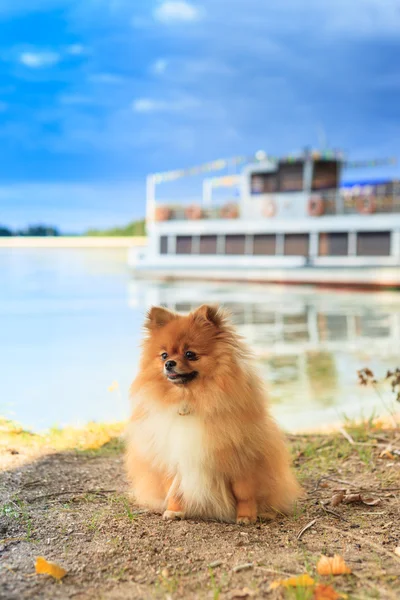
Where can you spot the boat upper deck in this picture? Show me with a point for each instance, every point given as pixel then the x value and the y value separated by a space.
pixel 308 186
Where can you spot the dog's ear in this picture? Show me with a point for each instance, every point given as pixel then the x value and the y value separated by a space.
pixel 158 316
pixel 210 314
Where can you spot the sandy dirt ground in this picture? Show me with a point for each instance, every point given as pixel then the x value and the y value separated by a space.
pixel 71 507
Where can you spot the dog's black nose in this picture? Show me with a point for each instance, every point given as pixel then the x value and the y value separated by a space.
pixel 170 364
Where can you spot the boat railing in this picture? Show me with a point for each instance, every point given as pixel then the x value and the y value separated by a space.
pixel 349 201
pixel 196 211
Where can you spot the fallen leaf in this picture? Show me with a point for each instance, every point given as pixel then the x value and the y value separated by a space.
pixel 48 568
pixel 337 498
pixel 397 551
pixel 387 453
pixel 297 581
pixel 352 498
pixel 370 501
pixel 326 592
pixel 114 386
pixel 332 566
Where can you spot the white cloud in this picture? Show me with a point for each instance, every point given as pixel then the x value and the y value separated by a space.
pixel 38 60
pixel 177 11
pixel 149 105
pixel 364 18
pixel 160 66
pixel 75 49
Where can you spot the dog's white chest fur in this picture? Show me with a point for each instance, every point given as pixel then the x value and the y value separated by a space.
pixel 175 443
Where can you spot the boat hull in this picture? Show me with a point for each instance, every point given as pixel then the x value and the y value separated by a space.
pixel 352 277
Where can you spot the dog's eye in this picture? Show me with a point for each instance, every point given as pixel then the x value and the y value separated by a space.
pixel 164 356
pixel 190 355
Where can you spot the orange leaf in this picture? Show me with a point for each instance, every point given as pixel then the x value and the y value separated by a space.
pixel 387 453
pixel 48 568
pixel 297 581
pixel 325 592
pixel 332 566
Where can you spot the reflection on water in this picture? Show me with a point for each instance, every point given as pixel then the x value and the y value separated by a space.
pixel 71 323
pixel 309 343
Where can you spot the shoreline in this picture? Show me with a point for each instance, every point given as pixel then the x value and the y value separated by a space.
pixel 72 242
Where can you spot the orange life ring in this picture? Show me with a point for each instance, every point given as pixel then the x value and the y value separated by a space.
pixel 366 205
pixel 316 206
pixel 269 208
pixel 163 213
pixel 229 211
pixel 193 212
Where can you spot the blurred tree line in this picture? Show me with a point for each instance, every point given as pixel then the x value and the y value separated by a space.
pixel 31 231
pixel 136 228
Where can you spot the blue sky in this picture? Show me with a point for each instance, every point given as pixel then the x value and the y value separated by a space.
pixel 94 94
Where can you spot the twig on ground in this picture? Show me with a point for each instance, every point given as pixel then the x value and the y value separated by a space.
pixel 273 571
pixel 302 531
pixel 332 512
pixel 321 479
pixel 364 540
pixel 71 493
pixel 243 567
pixel 347 436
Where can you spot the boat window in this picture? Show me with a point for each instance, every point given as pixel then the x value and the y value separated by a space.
pixel 373 243
pixel 333 244
pixel 234 244
pixel 208 244
pixel 290 177
pixel 325 174
pixel 163 244
pixel 263 183
pixel 183 244
pixel 264 244
pixel 296 244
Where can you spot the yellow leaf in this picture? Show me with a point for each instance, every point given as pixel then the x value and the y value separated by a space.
pixel 275 584
pixel 332 566
pixel 114 386
pixel 48 568
pixel 297 581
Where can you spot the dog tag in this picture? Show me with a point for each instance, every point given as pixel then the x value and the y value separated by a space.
pixel 184 409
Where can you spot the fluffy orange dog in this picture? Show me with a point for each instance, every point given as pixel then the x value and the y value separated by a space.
pixel 200 441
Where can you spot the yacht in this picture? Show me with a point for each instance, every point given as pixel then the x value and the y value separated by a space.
pixel 293 222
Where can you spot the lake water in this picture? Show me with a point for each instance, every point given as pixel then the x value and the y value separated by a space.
pixel 70 326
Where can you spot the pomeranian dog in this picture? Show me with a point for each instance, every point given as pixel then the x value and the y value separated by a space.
pixel 200 441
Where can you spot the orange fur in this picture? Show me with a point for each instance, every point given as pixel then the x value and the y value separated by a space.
pixel 205 448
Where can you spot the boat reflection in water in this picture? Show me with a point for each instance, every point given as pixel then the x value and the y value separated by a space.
pixel 309 343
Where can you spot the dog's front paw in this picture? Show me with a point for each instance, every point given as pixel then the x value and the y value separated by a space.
pixel 245 520
pixel 172 515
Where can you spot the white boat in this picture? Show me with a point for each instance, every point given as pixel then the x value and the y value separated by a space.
pixel 293 223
